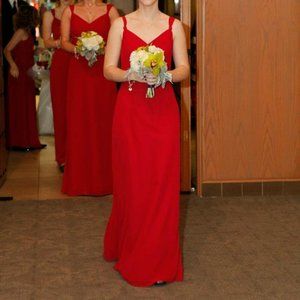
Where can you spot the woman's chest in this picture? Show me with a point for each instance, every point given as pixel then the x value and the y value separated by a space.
pixel 132 42
pixel 101 25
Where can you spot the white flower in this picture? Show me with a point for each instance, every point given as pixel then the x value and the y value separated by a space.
pixel 140 55
pixel 91 43
pixel 135 60
pixel 135 64
pixel 154 49
pixel 99 39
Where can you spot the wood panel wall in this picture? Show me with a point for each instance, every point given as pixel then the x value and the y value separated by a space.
pixel 248 90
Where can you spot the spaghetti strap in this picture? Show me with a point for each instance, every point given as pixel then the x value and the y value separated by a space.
pixel 108 8
pixel 125 22
pixel 72 9
pixel 171 21
pixel 53 12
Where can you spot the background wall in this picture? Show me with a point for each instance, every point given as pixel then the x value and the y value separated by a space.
pixel 249 105
pixel 124 6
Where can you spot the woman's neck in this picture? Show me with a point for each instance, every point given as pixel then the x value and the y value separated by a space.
pixel 90 2
pixel 148 12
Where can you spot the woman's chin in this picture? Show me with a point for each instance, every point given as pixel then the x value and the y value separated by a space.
pixel 147 2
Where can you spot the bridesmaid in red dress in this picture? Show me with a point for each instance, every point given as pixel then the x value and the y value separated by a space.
pixel 90 104
pixel 22 125
pixel 58 77
pixel 142 235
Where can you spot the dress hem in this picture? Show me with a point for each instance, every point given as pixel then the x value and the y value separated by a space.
pixel 97 194
pixel 147 283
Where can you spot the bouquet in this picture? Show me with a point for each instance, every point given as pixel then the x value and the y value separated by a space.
pixel 43 57
pixel 40 70
pixel 89 45
pixel 150 59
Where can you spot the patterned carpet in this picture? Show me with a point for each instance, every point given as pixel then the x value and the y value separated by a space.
pixel 233 249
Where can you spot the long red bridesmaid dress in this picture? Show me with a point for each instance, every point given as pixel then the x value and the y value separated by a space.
pixel 58 86
pixel 90 106
pixel 22 124
pixel 142 234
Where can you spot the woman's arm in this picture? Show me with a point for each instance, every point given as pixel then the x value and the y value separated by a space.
pixel 113 14
pixel 47 30
pixel 180 56
pixel 65 31
pixel 18 36
pixel 112 55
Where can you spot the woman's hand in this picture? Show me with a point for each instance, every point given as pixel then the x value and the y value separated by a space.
pixel 134 76
pixel 14 71
pixel 57 44
pixel 151 79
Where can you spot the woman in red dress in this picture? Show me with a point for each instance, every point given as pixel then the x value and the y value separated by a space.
pixel 58 77
pixel 142 234
pixel 90 104
pixel 22 125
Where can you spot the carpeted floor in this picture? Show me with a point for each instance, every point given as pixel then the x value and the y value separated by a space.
pixel 236 248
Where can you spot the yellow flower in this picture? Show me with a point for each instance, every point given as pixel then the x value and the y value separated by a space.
pixel 155 61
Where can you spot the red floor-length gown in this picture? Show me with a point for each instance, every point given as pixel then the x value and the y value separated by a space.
pixel 58 86
pixel 22 124
pixel 90 106
pixel 143 231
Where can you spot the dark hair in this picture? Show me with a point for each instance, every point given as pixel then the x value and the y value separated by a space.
pixel 26 18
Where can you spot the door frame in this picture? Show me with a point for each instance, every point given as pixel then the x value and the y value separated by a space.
pixel 185 105
pixel 200 89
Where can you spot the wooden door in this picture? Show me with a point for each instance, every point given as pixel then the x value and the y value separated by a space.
pixel 248 91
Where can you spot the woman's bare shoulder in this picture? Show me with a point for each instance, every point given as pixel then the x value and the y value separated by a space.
pixel 177 25
pixel 131 16
pixel 164 16
pixel 117 26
